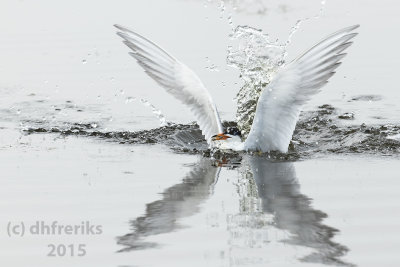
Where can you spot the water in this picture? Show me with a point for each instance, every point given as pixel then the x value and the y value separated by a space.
pixel 255 211
pixel 86 136
pixel 323 131
pixel 257 58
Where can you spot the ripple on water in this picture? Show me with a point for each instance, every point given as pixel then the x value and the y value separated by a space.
pixel 317 132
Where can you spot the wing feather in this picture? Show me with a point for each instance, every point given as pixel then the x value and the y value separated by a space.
pixel 176 78
pixel 279 105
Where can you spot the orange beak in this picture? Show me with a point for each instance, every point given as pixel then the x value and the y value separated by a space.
pixel 220 137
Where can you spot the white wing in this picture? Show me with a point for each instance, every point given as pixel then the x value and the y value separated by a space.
pixel 279 105
pixel 176 78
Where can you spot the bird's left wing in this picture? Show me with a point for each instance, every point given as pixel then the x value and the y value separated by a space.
pixel 279 105
pixel 176 78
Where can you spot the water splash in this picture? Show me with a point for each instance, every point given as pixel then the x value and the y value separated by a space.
pixel 300 21
pixel 130 99
pixel 317 133
pixel 211 66
pixel 222 9
pixel 160 116
pixel 257 7
pixel 257 58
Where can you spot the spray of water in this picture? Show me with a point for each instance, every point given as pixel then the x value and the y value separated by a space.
pixel 160 116
pixel 258 7
pixel 257 57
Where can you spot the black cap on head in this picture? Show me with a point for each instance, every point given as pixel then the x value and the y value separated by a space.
pixel 233 131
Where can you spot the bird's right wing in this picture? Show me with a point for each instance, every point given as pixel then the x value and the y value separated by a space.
pixel 176 78
pixel 279 105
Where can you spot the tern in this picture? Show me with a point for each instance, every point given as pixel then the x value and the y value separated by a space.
pixel 278 107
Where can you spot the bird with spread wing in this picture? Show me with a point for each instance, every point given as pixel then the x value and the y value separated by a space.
pixel 278 107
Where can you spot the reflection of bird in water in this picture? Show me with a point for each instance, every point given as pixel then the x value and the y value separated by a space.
pixel 278 190
pixel 269 198
pixel 179 201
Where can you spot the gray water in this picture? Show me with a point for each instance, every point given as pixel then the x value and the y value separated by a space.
pixel 77 144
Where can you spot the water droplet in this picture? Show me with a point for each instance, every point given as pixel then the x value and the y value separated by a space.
pixel 157 112
pixel 129 99
pixel 213 67
pixel 84 61
pixel 230 20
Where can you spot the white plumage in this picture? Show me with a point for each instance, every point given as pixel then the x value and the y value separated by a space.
pixel 176 78
pixel 279 105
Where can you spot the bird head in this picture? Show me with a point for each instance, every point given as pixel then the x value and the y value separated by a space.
pixel 229 133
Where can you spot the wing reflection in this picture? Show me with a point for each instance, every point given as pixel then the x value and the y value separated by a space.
pixel 269 198
pixel 278 192
pixel 179 201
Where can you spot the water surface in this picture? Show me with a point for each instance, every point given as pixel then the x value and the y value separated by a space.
pixel 79 141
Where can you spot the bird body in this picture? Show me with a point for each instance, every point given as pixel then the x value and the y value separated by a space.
pixel 279 105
